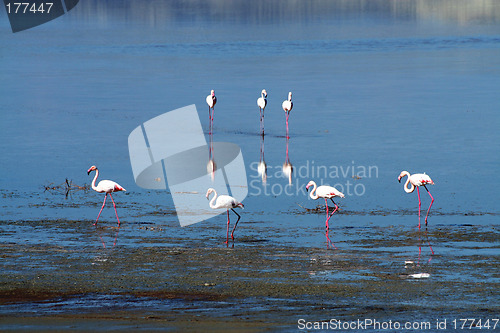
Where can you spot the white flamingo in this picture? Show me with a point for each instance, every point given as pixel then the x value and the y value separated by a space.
pixel 262 102
pixel 287 107
pixel 417 180
pixel 211 100
pixel 325 192
pixel 227 202
pixel 106 186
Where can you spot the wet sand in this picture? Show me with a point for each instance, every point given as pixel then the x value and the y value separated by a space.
pixel 256 285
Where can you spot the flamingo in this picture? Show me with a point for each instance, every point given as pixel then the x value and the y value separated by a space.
pixel 106 186
pixel 417 180
pixel 211 100
pixel 287 107
pixel 227 202
pixel 326 192
pixel 262 102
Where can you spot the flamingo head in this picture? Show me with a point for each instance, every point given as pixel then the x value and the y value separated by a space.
pixel 212 92
pixel 402 174
pixel 92 168
pixel 209 191
pixel 240 205
pixel 311 183
pixel 264 92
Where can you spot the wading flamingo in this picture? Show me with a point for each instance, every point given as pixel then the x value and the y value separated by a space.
pixel 287 107
pixel 227 202
pixel 417 180
pixel 106 186
pixel 262 102
pixel 326 192
pixel 211 100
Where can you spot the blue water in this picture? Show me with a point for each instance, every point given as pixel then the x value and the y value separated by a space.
pixel 378 87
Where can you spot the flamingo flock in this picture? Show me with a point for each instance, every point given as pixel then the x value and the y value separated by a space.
pixel 229 203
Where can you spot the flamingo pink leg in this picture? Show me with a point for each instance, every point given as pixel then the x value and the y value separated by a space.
pixel 232 232
pixel 103 203
pixel 115 209
pixel 227 230
pixel 260 112
pixel 328 216
pixel 209 120
pixel 428 210
pixel 262 120
pixel 419 204
pixel 287 115
pixel 212 121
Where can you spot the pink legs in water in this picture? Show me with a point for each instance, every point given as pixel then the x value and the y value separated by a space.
pixel 419 204
pixel 211 112
pixel 261 121
pixel 328 216
pixel 287 115
pixel 104 203
pixel 426 216
pixel 234 228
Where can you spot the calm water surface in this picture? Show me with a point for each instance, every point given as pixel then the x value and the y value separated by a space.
pixel 378 87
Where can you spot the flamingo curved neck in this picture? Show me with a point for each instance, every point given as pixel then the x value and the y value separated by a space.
pixel 95 178
pixel 412 188
pixel 212 202
pixel 313 194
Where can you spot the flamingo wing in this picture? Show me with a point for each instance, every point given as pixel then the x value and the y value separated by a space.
pixel 419 179
pixel 262 102
pixel 226 201
pixel 287 105
pixel 211 100
pixel 328 192
pixel 109 186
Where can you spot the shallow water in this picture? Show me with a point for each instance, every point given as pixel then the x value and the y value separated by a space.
pixel 378 87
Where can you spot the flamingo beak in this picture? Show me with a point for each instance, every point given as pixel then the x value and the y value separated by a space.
pixel 399 179
pixel 307 188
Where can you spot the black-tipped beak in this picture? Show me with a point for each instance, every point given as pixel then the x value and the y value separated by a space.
pixel 399 180
pixel 88 172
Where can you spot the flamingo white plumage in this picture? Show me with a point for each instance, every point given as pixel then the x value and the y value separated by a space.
pixel 416 180
pixel 211 100
pixel 227 202
pixel 105 186
pixel 325 192
pixel 262 102
pixel 287 107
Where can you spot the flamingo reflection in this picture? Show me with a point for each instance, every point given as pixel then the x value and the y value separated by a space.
pixel 211 166
pixel 420 241
pixel 262 167
pixel 287 166
pixel 102 239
